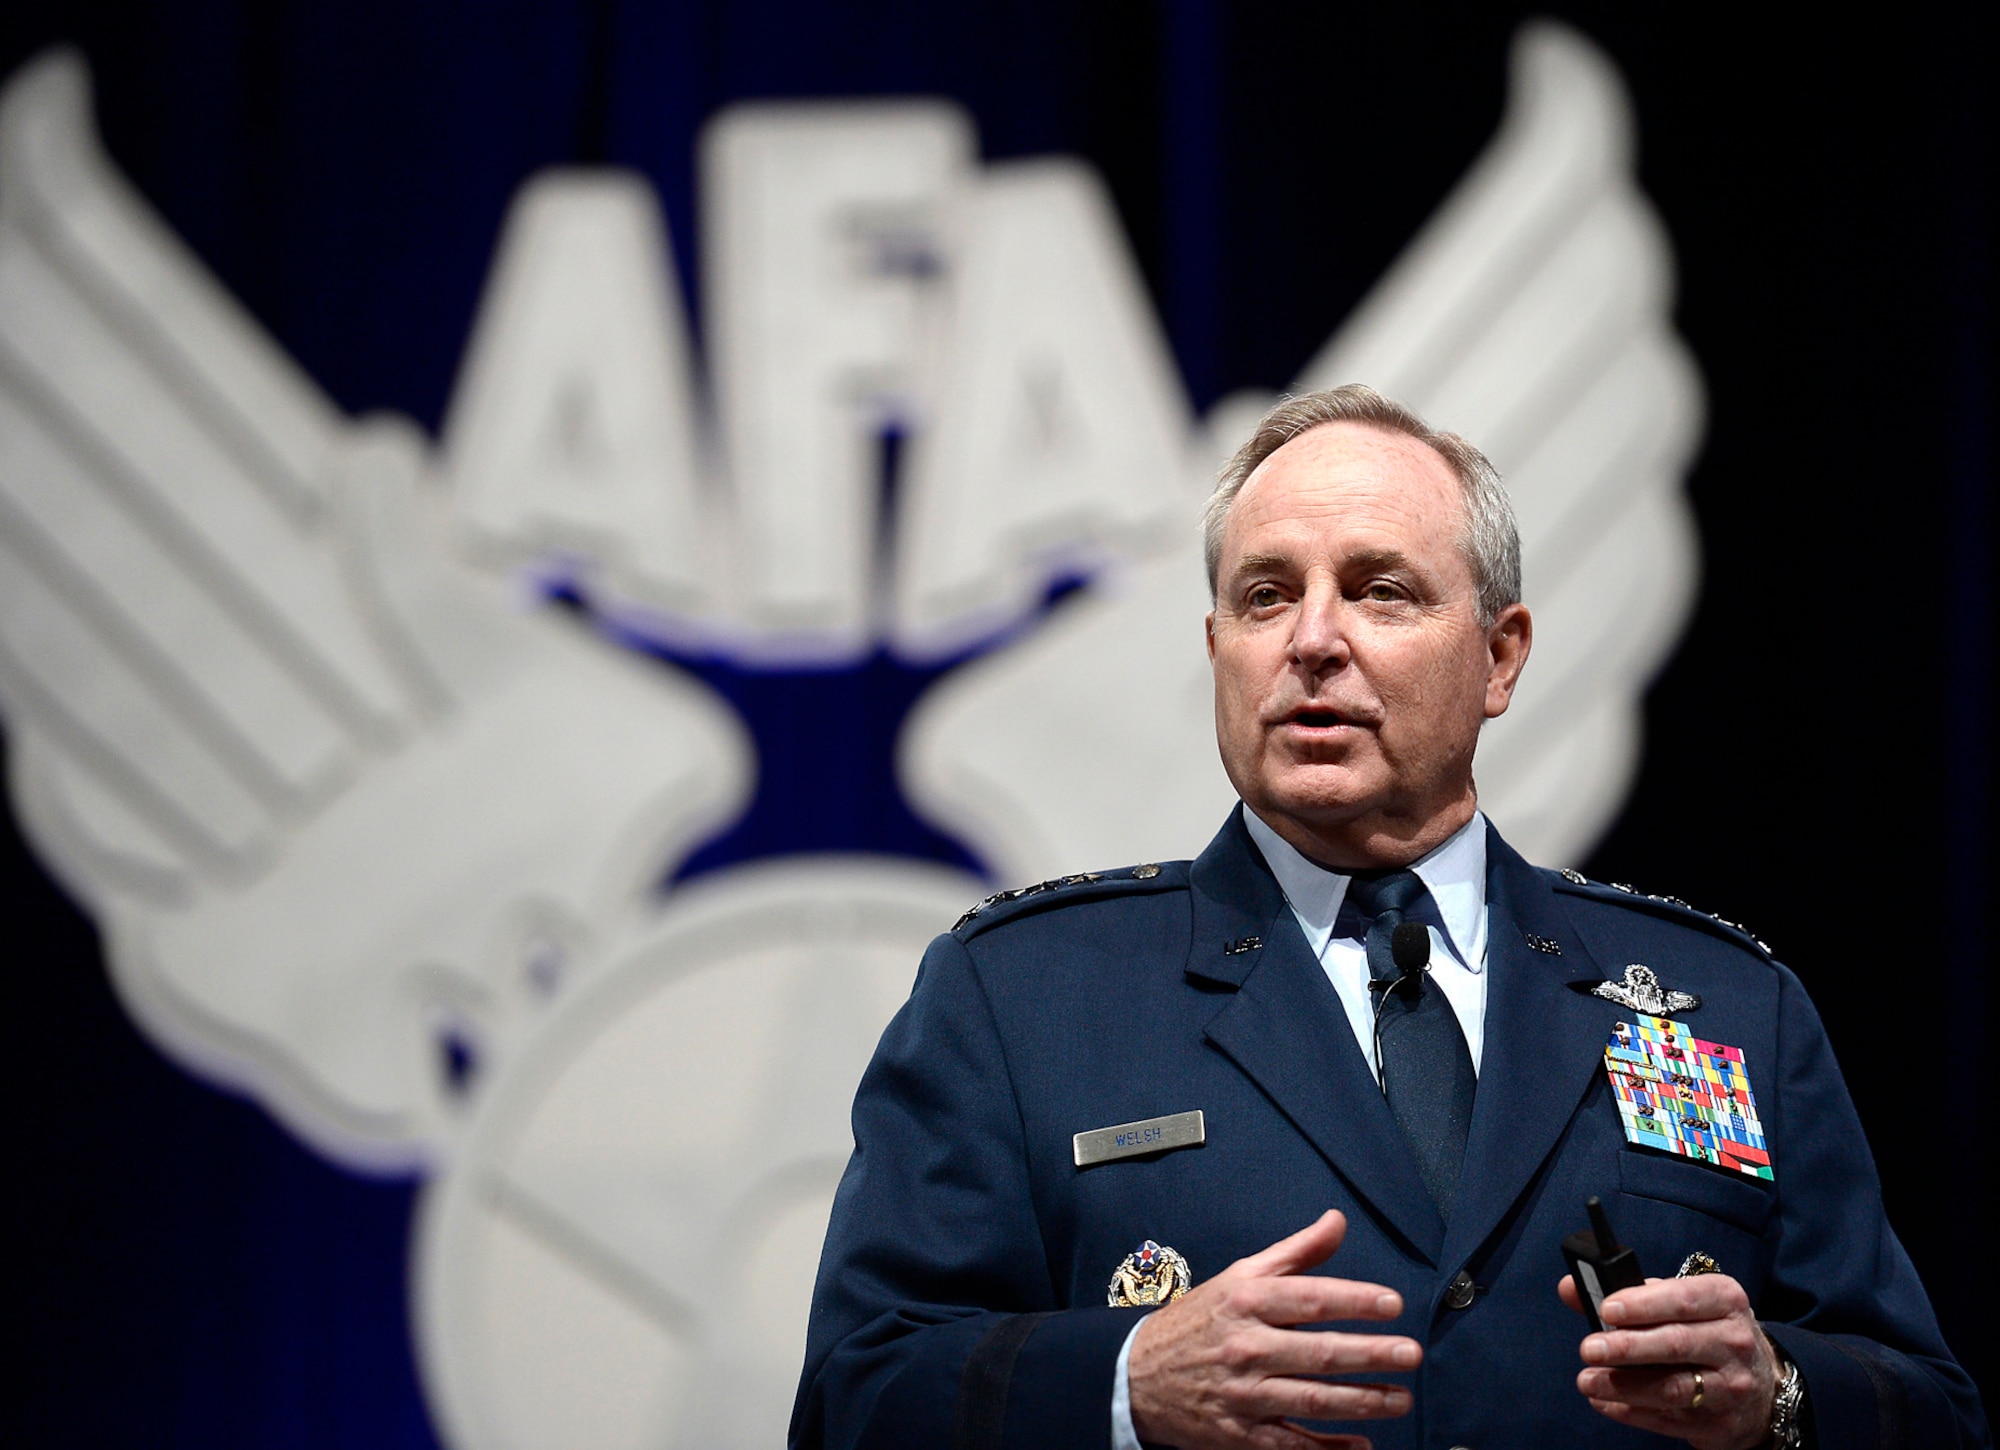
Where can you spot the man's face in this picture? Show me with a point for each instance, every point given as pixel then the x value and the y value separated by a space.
pixel 1351 670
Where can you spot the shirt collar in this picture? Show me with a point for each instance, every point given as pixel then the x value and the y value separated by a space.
pixel 1454 872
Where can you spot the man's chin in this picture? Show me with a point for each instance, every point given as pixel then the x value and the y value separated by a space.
pixel 1329 791
pixel 1322 807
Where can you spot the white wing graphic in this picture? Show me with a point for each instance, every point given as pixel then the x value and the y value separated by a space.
pixel 1533 315
pixel 621 1252
pixel 344 815
pixel 1530 314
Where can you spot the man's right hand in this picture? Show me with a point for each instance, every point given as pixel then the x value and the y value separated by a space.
pixel 1215 1368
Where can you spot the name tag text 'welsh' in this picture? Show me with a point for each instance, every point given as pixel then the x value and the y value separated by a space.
pixel 1148 1135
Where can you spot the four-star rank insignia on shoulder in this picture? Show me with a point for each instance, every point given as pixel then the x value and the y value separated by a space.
pixel 1678 1094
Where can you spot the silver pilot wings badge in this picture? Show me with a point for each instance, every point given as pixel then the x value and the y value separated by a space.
pixel 1641 991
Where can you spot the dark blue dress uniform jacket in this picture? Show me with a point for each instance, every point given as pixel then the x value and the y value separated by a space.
pixel 960 1299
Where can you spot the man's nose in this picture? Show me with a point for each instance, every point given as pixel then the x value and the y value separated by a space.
pixel 1319 632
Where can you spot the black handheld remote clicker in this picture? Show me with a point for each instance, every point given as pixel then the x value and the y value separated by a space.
pixel 1600 1265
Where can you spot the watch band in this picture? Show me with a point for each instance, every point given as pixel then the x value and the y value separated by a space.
pixel 1787 1409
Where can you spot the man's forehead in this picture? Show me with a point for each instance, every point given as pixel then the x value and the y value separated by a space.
pixel 1344 451
pixel 1342 469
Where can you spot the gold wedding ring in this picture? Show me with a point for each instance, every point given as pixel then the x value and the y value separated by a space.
pixel 1700 1391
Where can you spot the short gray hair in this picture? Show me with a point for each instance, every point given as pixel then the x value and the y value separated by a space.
pixel 1491 539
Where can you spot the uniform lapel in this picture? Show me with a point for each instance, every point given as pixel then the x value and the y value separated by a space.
pixel 1543 1046
pixel 1285 1028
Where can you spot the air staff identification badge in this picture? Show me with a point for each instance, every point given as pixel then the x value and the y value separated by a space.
pixel 1151 1275
pixel 1681 1095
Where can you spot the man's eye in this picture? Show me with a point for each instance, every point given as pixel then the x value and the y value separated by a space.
pixel 1264 596
pixel 1382 592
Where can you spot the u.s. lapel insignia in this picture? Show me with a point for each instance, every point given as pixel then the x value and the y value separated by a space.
pixel 1642 992
pixel 1151 1275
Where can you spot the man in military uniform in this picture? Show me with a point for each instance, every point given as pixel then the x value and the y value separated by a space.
pixel 1351 1064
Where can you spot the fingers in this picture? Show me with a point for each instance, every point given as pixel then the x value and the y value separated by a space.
pixel 1654 1387
pixel 1218 1367
pixel 1710 1345
pixel 1314 1244
pixel 1566 1291
pixel 1690 1361
pixel 1313 1299
pixel 1699 1321
pixel 1723 1341
pixel 1720 1408
pixel 1299 1399
pixel 1267 1351
pixel 1284 1436
pixel 1666 1301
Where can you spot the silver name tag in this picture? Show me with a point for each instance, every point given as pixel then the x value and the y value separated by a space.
pixel 1148 1135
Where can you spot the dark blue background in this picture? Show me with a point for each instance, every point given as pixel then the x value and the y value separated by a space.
pixel 186 1274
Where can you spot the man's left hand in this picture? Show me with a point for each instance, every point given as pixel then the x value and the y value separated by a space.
pixel 1681 1357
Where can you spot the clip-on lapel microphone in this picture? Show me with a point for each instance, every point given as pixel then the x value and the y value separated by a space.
pixel 1410 948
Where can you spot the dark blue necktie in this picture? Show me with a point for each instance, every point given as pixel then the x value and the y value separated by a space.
pixel 1426 1068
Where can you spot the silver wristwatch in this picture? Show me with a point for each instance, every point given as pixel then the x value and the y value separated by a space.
pixel 1787 1410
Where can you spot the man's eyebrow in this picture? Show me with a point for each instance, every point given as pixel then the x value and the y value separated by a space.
pixel 1371 559
pixel 1262 564
pixel 1366 560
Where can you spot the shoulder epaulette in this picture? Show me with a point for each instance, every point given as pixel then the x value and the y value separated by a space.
pixel 1085 885
pixel 1618 893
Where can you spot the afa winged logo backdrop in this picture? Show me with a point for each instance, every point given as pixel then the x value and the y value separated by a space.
pixel 380 759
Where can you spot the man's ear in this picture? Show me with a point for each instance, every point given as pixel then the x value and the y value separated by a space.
pixel 1208 629
pixel 1507 646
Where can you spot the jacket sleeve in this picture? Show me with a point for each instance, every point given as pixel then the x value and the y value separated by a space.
pixel 935 1318
pixel 1845 1302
